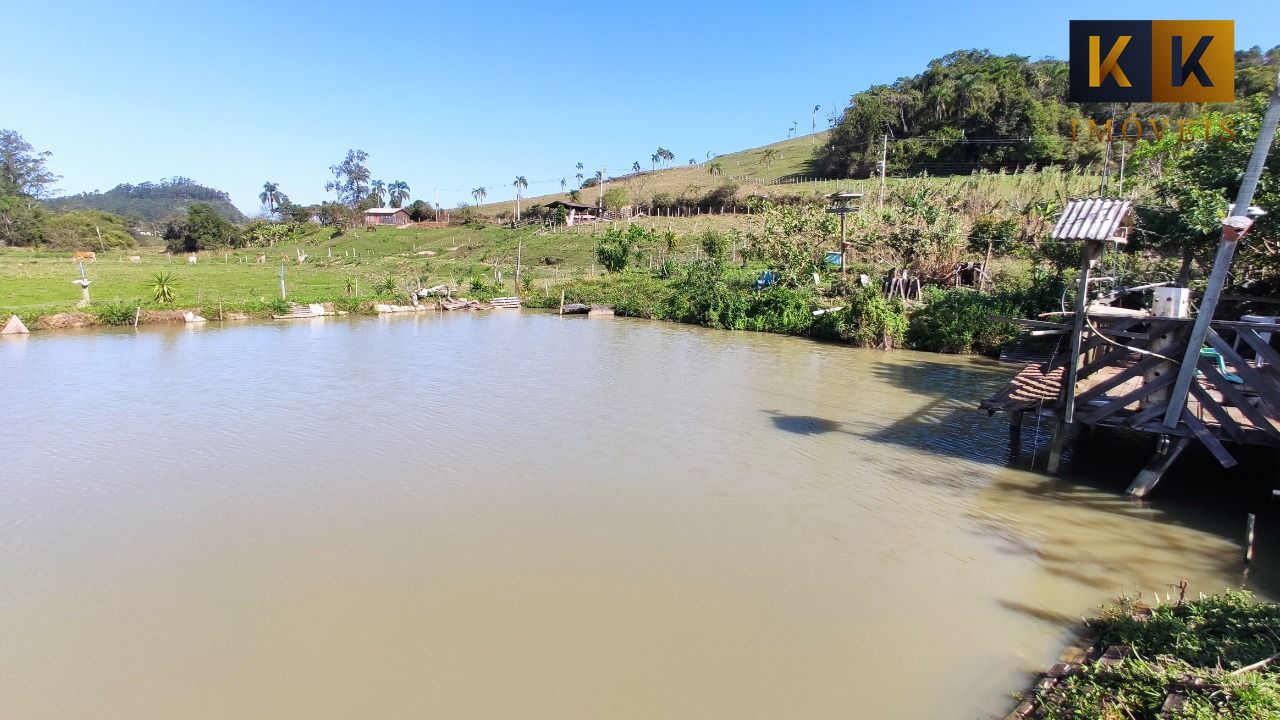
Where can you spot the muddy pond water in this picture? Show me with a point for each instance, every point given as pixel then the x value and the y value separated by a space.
pixel 517 515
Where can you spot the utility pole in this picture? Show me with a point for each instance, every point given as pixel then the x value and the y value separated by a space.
pixel 884 160
pixel 600 202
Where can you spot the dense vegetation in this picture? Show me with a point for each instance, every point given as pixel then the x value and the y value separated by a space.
pixel 152 202
pixel 972 109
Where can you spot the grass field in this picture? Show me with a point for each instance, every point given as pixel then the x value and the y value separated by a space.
pixel 39 282
pixel 792 159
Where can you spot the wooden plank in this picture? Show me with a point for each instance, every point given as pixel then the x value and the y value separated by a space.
pixel 1207 439
pixel 1119 378
pixel 1156 467
pixel 1237 399
pixel 1147 415
pixel 1228 423
pixel 1266 388
pixel 1116 329
pixel 1159 428
pixel 1131 397
pixel 1107 359
pixel 1045 324
pixel 1264 350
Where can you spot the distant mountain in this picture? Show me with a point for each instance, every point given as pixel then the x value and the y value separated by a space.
pixel 152 202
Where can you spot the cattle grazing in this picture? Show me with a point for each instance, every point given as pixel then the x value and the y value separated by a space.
pixel 135 258
pixel 192 259
pixel 262 259
pixel 85 255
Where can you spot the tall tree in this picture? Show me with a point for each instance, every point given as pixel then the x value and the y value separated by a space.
pixel 272 197
pixel 563 182
pixel 479 194
pixel 519 184
pixel 635 166
pixel 350 178
pixel 813 119
pixel 377 190
pixel 22 171
pixel 397 193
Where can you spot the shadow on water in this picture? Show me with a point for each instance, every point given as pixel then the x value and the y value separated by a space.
pixel 805 424
pixel 1197 493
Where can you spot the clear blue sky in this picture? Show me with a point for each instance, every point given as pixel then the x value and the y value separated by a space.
pixel 457 95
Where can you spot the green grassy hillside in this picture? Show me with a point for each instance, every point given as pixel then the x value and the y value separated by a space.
pixel 753 170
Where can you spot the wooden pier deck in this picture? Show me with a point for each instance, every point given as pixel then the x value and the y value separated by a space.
pixel 1125 368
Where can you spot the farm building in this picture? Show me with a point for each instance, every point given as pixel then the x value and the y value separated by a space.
pixel 386 216
pixel 574 212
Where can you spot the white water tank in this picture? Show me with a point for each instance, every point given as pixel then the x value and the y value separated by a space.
pixel 1172 302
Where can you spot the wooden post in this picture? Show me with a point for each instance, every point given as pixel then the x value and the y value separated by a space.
pixel 136 314
pixel 1222 261
pixel 562 302
pixel 1015 433
pixel 1157 466
pixel 1248 537
pixel 1067 397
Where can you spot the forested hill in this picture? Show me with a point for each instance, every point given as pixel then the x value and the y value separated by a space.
pixel 152 202
pixel 973 110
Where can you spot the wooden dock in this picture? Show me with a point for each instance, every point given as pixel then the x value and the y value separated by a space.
pixel 1182 379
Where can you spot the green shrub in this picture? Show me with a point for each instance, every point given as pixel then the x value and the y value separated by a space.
pixel 113 313
pixel 613 251
pixel 781 310
pixel 868 320
pixel 714 244
pixel 959 320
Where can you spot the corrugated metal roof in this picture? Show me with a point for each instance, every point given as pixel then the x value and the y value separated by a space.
pixel 384 211
pixel 1092 219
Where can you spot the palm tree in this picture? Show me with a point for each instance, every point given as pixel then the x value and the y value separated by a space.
pixel 562 184
pixel 519 184
pixel 715 168
pixel 813 119
pixel 398 192
pixel 653 159
pixel 579 166
pixel 479 194
pixel 376 191
pixel 692 161
pixel 271 196
pixel 579 175
pixel 635 166
pixel 769 155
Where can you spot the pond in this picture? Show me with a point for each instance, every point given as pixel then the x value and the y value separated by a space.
pixel 516 514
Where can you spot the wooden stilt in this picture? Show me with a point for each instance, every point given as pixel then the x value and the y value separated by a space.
pixel 1157 466
pixel 1061 431
pixel 1015 433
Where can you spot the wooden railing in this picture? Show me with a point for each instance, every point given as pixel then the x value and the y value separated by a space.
pixel 1128 365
